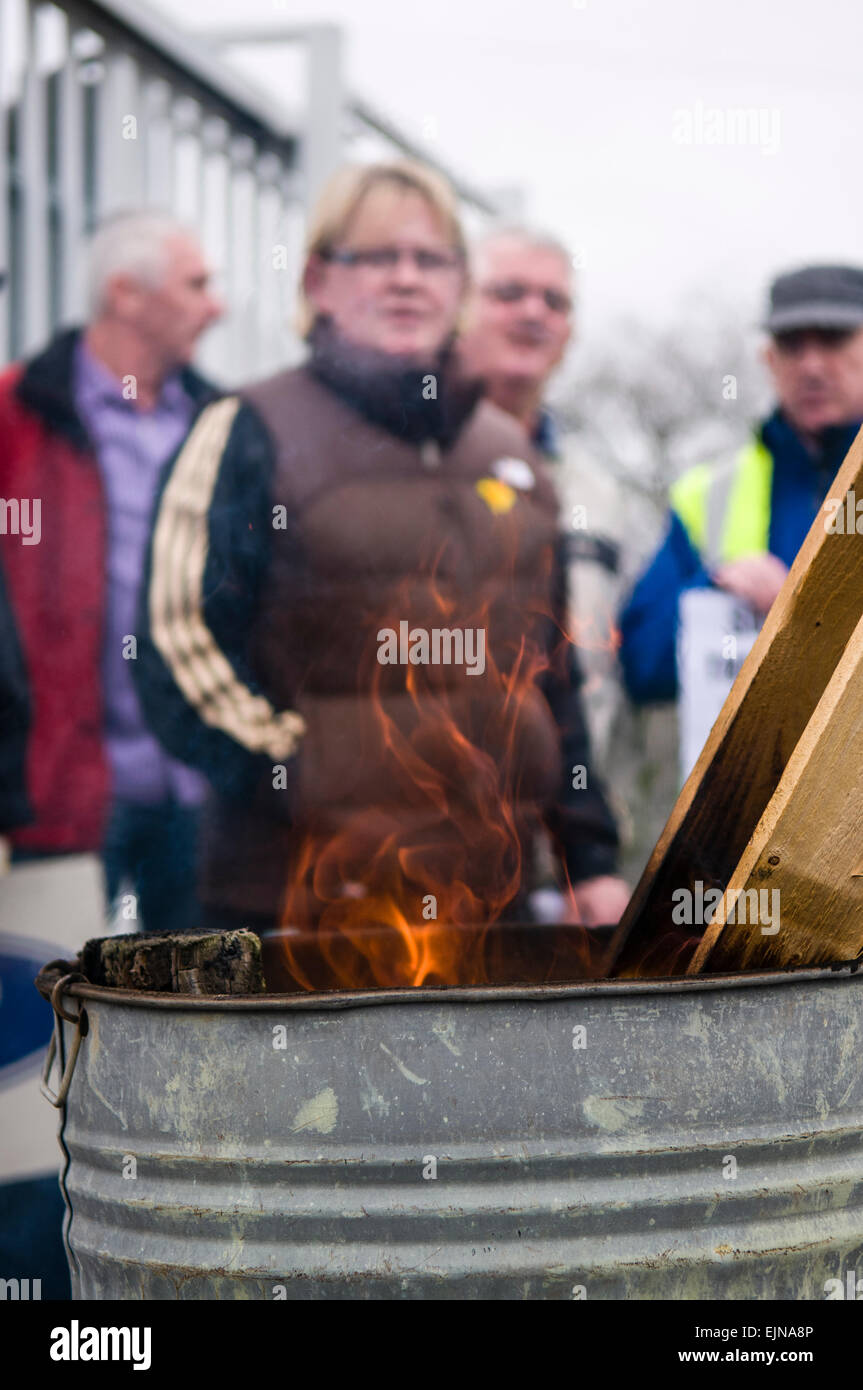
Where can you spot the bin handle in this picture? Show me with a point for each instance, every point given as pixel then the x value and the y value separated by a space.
pixel 55 1047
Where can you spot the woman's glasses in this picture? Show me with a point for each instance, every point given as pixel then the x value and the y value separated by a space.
pixel 388 257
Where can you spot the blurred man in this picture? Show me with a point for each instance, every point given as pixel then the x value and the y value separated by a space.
pixel 87 425
pixel 518 323
pixel 738 525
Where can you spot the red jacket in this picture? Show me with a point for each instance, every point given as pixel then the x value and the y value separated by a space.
pixel 57 591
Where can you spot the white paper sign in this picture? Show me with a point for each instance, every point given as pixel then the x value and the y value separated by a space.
pixel 715 635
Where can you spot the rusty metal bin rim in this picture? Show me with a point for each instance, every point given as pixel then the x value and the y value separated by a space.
pixel 460 994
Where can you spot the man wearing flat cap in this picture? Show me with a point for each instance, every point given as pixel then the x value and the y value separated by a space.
pixel 738 523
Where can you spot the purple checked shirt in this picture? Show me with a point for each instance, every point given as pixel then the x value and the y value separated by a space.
pixel 131 446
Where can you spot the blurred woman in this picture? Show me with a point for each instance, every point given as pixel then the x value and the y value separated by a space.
pixel 351 620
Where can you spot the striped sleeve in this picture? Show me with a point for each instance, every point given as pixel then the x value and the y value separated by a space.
pixel 208 544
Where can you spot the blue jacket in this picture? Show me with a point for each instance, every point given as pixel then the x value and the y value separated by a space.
pixel 648 620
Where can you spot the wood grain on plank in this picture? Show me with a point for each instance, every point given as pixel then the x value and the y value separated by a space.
pixel 798 872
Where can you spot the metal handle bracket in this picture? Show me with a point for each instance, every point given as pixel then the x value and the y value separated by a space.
pixel 55 1047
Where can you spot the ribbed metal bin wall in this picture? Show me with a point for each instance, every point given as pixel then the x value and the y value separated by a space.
pixel 686 1139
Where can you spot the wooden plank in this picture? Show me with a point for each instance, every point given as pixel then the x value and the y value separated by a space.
pixel 767 710
pixel 802 859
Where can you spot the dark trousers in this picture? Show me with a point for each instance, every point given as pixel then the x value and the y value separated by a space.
pixel 151 852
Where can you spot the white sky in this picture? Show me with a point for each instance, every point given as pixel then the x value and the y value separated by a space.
pixel 575 102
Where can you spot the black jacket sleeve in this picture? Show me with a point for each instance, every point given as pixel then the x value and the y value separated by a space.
pixel 206 563
pixel 580 820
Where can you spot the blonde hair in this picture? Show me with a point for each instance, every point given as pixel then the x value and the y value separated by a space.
pixel 346 191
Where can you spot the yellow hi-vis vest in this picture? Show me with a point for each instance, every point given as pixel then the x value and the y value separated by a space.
pixel 725 507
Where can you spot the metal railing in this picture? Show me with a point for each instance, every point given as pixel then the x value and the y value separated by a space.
pixel 104 105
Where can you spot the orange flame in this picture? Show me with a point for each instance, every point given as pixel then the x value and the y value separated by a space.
pixel 419 883
pixel 404 889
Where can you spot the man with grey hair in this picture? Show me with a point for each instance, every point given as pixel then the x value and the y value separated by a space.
pixel 87 425
pixel 519 320
pixel 517 327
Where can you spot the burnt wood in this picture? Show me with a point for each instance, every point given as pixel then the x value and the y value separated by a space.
pixel 187 963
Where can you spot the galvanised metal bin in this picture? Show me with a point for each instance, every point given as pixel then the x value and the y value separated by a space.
pixel 690 1138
